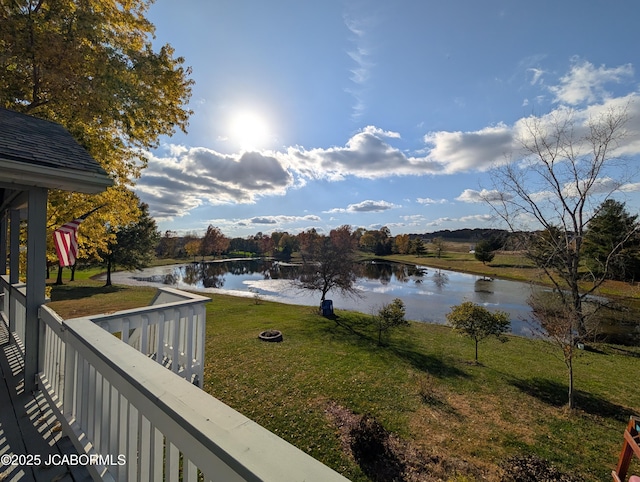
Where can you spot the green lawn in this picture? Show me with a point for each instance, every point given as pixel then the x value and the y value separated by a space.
pixel 510 404
pixel 421 386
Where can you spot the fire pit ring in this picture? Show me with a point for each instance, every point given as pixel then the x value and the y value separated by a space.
pixel 271 335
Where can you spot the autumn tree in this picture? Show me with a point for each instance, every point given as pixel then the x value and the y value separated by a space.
pixel 91 67
pixel 192 247
pixel 565 168
pixel 478 323
pixel 329 262
pixel 402 243
pixel 213 242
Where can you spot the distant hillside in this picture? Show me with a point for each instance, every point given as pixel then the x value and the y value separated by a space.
pixel 465 235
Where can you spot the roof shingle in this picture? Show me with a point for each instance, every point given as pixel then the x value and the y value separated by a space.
pixel 27 139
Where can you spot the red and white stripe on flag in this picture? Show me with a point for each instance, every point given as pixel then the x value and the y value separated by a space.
pixel 65 239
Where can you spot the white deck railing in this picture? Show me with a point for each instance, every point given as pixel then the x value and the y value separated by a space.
pixel 140 421
pixel 135 420
pixel 14 309
pixel 171 331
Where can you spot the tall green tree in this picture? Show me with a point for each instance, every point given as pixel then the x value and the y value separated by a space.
pixel 483 252
pixel 134 244
pixel 612 242
pixel 90 65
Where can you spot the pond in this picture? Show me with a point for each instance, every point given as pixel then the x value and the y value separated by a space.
pixel 428 293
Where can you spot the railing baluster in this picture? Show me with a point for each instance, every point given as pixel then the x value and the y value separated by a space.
pixel 157 454
pixel 132 443
pixel 188 342
pixel 144 335
pixel 160 337
pixel 172 467
pixel 84 394
pixel 144 444
pixel 123 434
pixel 70 381
pixel 175 352
pixel 189 470
pixel 105 416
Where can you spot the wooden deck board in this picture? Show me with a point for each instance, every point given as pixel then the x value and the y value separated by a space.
pixel 28 426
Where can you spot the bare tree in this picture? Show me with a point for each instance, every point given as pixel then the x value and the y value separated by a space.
pixel 567 168
pixel 555 323
pixel 329 262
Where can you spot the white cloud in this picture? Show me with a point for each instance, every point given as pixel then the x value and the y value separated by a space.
pixel 189 177
pixel 366 155
pixel 376 131
pixel 586 83
pixel 360 53
pixel 536 75
pixel 280 219
pixel 466 151
pixel 454 152
pixel 487 218
pixel 473 196
pixel 427 200
pixel 367 206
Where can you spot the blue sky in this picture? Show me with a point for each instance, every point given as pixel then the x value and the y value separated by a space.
pixel 373 113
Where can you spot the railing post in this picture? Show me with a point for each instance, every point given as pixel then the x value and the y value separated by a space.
pixel 36 282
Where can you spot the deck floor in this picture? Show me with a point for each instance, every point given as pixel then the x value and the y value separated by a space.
pixel 28 426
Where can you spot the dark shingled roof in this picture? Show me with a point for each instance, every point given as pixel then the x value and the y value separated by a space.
pixel 27 139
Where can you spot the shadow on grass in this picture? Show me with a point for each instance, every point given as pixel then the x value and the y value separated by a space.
pixel 359 325
pixel 67 292
pixel 555 394
pixel 435 365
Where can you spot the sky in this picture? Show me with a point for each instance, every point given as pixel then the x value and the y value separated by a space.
pixel 374 113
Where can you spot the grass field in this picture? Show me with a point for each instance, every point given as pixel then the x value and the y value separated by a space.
pixel 460 419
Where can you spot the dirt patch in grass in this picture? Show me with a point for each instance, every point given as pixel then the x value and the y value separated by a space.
pixel 530 468
pixel 383 456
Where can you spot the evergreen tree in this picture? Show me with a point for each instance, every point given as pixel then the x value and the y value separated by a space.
pixel 134 244
pixel 483 252
pixel 612 244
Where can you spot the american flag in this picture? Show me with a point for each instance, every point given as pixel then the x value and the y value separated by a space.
pixel 66 240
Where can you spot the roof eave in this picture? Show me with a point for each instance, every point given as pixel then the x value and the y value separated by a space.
pixel 30 175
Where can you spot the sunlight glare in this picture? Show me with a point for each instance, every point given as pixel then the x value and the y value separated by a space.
pixel 249 130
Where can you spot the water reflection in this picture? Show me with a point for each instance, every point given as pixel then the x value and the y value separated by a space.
pixel 440 279
pixel 428 293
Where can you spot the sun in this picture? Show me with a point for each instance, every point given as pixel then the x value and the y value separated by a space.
pixel 249 130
